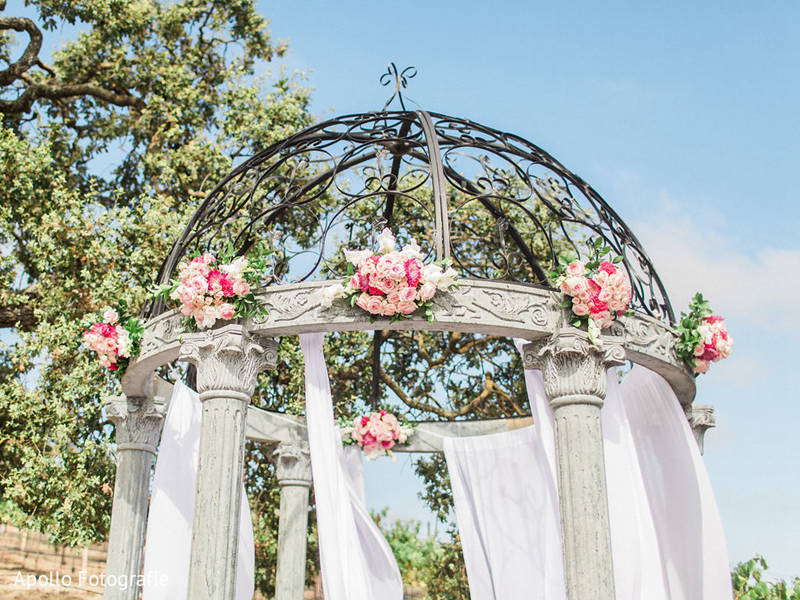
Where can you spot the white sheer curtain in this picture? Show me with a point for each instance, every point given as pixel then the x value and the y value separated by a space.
pixel 666 535
pixel 506 505
pixel 684 514
pixel 169 523
pixel 357 563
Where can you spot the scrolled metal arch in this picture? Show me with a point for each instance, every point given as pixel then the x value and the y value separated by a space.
pixel 417 141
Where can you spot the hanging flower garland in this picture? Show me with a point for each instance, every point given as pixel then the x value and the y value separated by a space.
pixel 209 288
pixel 704 337
pixel 376 433
pixel 391 283
pixel 115 342
pixel 599 290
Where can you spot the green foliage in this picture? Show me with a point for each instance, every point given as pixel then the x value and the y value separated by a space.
pixel 748 583
pixel 688 331
pixel 104 153
pixel 425 562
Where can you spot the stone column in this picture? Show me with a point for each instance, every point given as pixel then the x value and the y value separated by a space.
pixel 138 423
pixel 701 419
pixel 228 361
pixel 293 471
pixel 574 372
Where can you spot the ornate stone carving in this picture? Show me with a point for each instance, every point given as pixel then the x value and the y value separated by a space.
pixel 651 337
pixel 137 421
pixel 228 358
pixel 573 368
pixel 293 463
pixel 701 419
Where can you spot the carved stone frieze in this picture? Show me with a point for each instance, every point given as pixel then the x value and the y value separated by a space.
pixel 573 368
pixel 478 306
pixel 137 421
pixel 228 358
pixel 651 337
pixel 293 463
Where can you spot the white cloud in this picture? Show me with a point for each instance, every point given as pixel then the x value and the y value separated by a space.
pixel 689 258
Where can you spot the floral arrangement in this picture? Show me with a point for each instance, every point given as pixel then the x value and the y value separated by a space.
pixel 704 337
pixel 376 433
pixel 391 283
pixel 210 288
pixel 599 290
pixel 114 342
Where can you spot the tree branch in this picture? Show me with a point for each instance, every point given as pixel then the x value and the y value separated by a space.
pixel 16 309
pixel 31 54
pixel 489 388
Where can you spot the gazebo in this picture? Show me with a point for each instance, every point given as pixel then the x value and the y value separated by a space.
pixel 501 209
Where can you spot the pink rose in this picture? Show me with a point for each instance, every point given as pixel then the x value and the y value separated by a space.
pixel 427 291
pixel 701 366
pixel 413 272
pixel 374 305
pixel 355 282
pixel 579 307
pixel 226 311
pixel 576 269
pixel 110 316
pixel 406 308
pixel 607 267
pixel 393 297
pixel 408 294
pixel 362 300
pixel 388 309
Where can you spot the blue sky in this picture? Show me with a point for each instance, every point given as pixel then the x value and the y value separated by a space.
pixel 684 116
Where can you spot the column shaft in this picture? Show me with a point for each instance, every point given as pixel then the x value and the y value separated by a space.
pixel 228 361
pixel 128 523
pixel 574 372
pixel 584 502
pixel 138 423
pixel 212 571
pixel 293 472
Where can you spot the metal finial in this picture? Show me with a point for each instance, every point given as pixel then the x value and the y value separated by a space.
pixel 400 79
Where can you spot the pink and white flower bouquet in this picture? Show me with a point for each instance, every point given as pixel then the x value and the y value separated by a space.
pixel 599 289
pixel 114 342
pixel 210 289
pixel 704 337
pixel 377 433
pixel 391 283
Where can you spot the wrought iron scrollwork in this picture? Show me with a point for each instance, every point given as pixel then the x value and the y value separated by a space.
pixel 497 205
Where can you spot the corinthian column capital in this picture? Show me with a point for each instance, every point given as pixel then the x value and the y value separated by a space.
pixel 573 368
pixel 293 463
pixel 228 360
pixel 137 421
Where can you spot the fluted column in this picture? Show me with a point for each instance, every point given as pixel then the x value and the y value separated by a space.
pixel 701 419
pixel 228 361
pixel 574 372
pixel 138 423
pixel 293 471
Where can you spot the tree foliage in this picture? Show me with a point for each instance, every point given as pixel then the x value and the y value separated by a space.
pixel 105 148
pixel 749 583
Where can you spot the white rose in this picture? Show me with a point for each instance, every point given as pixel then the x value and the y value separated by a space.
pixel 328 294
pixel 236 267
pixel 431 274
pixel 386 241
pixel 356 257
pixel 448 278
pixel 412 250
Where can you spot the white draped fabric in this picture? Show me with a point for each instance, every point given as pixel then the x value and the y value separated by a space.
pixel 357 562
pixel 506 505
pixel 684 514
pixel 634 545
pixel 666 534
pixel 169 523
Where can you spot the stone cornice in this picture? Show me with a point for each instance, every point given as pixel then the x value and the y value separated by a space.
pixel 479 306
